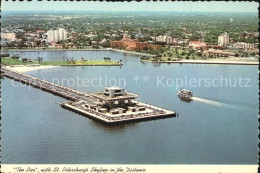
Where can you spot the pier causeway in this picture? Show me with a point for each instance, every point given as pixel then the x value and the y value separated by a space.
pixel 112 106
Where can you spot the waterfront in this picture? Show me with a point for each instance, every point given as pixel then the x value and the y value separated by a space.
pixel 39 131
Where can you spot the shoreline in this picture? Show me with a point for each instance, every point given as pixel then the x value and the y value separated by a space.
pixel 52 50
pixel 222 62
pixel 24 68
pixel 57 50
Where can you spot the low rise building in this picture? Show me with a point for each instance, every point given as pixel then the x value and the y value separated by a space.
pixel 39 33
pixel 180 41
pixel 114 97
pixel 29 34
pixel 103 41
pixel 8 36
pixel 151 46
pixel 218 52
pixel 31 43
pixel 243 45
pixel 197 44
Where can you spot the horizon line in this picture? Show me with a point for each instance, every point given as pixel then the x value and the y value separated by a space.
pixel 126 11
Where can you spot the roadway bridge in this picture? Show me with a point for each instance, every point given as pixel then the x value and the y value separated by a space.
pixel 62 91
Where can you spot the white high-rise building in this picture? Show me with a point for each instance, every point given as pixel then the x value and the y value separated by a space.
pixel 164 38
pixel 169 40
pixel 55 35
pixel 52 36
pixel 223 39
pixel 62 34
pixel 160 38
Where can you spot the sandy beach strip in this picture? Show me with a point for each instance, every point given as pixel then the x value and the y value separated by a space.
pixel 23 68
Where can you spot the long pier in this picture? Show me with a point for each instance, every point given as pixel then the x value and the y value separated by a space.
pixel 81 102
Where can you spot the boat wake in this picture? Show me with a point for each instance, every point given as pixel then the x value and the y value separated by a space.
pixel 228 106
pixel 208 101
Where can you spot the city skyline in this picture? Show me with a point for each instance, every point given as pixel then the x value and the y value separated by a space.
pixel 130 6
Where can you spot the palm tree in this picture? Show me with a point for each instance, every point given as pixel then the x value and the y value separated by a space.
pixel 38 43
pixel 44 44
pixel 178 56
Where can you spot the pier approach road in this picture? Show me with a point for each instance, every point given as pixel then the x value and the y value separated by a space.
pixel 62 91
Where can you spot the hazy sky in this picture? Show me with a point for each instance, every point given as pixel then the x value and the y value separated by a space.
pixel 130 6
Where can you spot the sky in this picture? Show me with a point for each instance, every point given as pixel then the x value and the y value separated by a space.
pixel 129 6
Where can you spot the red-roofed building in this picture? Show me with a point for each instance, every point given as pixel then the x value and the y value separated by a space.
pixel 197 44
pixel 40 31
pixel 132 44
pixel 129 44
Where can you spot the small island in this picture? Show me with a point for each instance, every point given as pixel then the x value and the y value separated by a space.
pixel 15 61
pixel 19 64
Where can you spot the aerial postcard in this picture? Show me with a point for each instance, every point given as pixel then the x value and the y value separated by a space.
pixel 129 87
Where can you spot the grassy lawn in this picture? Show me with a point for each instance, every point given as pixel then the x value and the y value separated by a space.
pixel 10 61
pixel 182 54
pixel 79 63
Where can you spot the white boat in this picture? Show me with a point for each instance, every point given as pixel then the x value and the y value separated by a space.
pixel 185 95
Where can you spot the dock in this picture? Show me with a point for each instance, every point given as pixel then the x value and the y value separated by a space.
pixel 113 106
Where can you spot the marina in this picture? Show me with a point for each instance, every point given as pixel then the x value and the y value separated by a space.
pixel 113 105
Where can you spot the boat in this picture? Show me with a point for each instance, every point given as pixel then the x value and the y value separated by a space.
pixel 185 95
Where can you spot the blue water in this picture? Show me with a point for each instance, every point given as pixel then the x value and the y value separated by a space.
pixel 37 130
